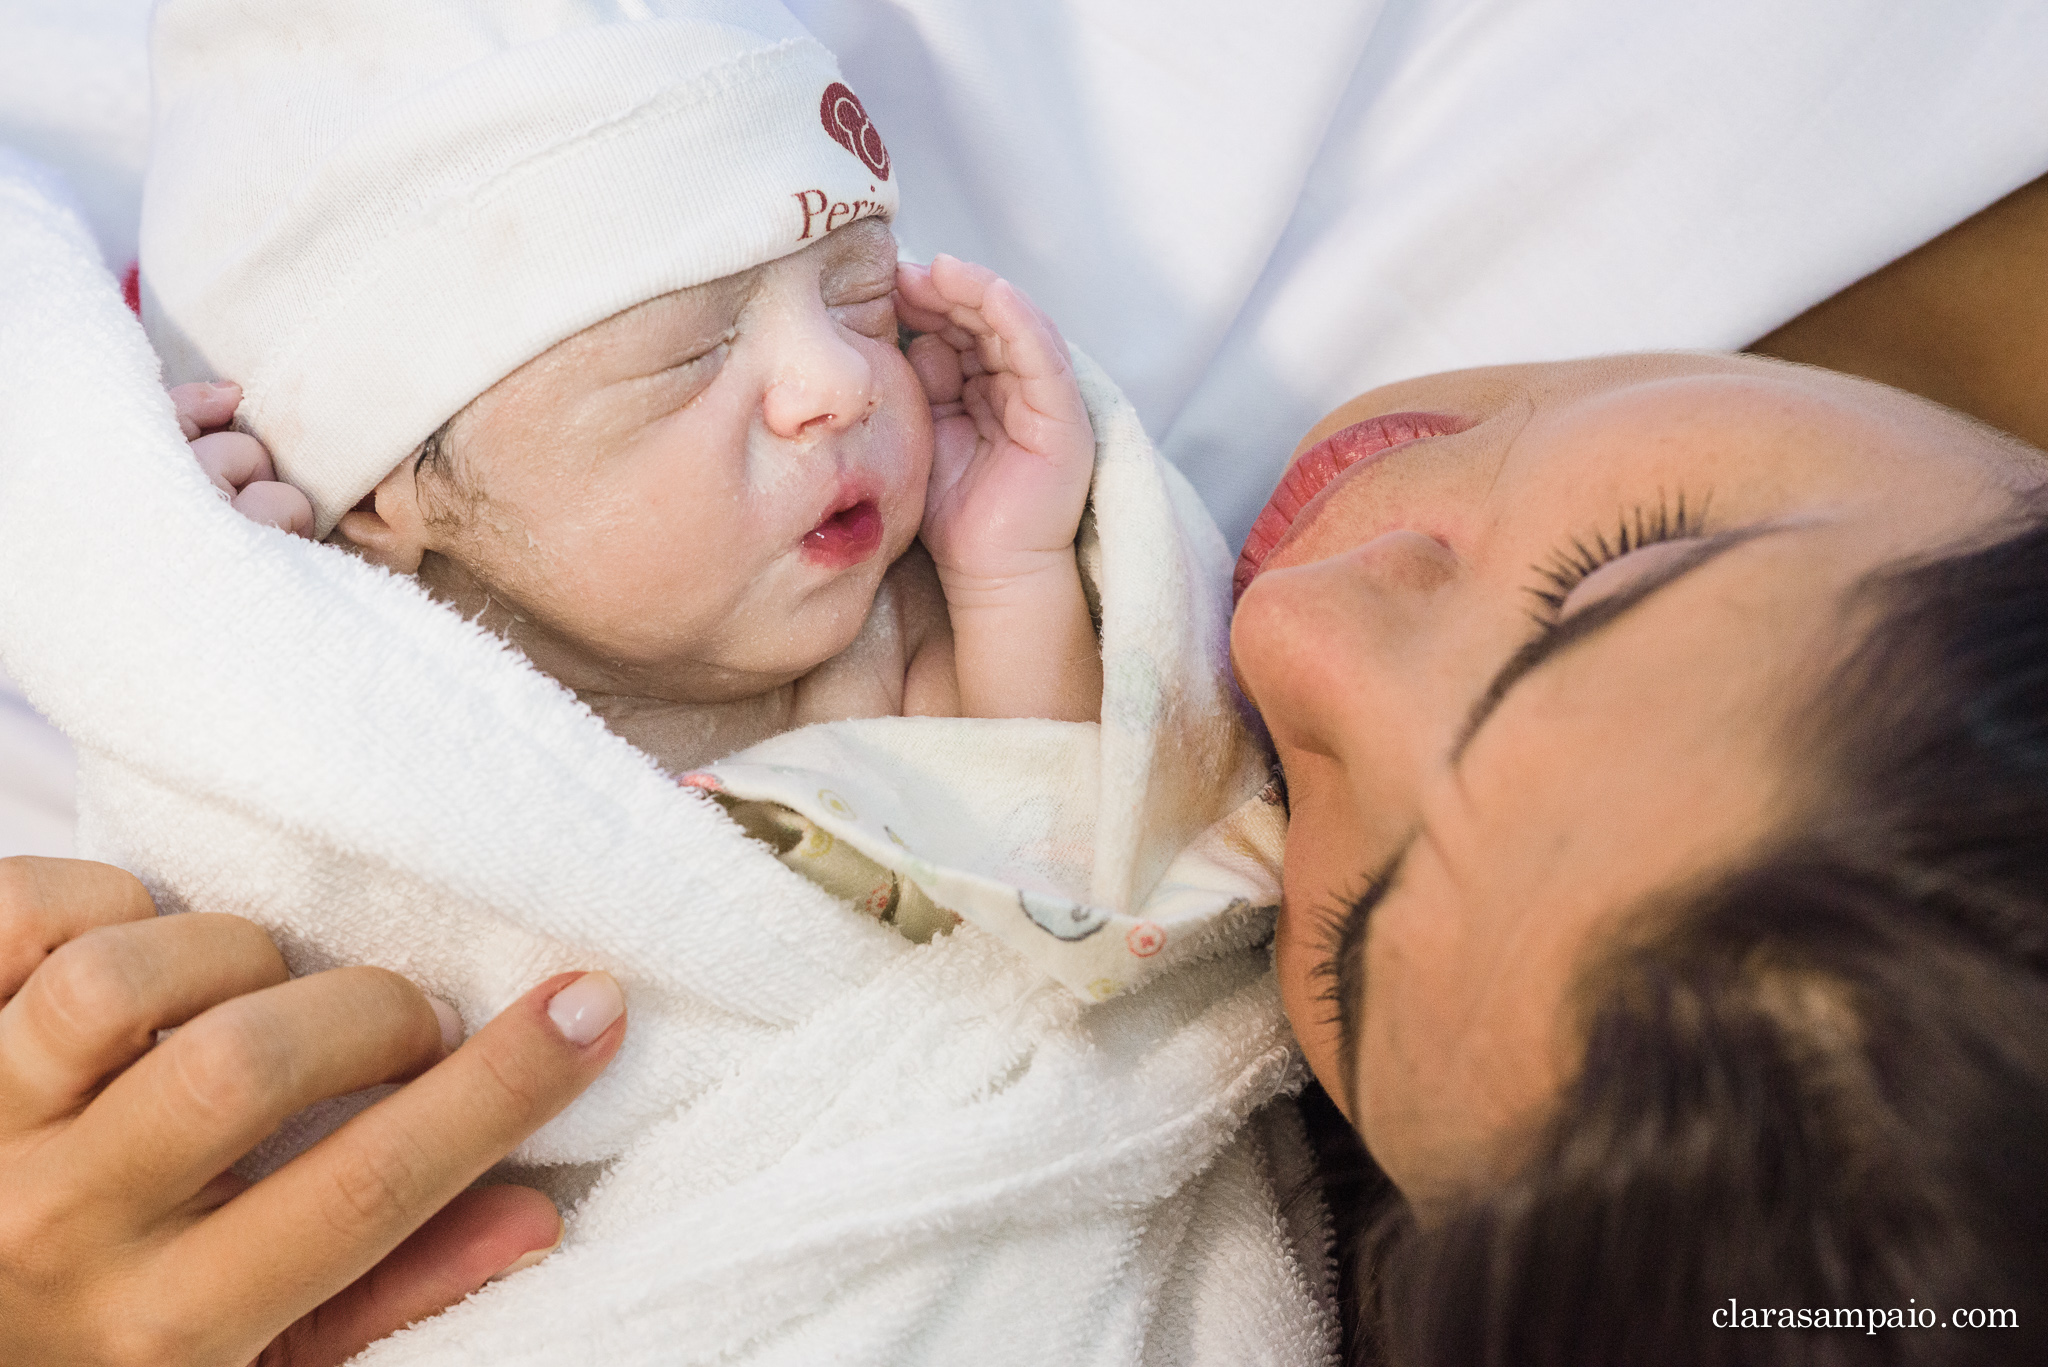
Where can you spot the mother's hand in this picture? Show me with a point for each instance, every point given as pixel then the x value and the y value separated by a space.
pixel 124 1239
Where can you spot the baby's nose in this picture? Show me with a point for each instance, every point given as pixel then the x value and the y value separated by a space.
pixel 795 416
pixel 827 388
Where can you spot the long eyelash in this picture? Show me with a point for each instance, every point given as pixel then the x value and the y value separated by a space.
pixel 1337 928
pixel 1568 566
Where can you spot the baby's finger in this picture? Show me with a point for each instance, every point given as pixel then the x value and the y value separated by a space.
pixel 930 322
pixel 95 1005
pixel 956 290
pixel 1037 356
pixel 206 1095
pixel 935 325
pixel 982 406
pixel 45 902
pixel 1064 437
pixel 205 406
pixel 916 319
pixel 1031 345
pixel 963 285
pixel 938 369
pixel 919 304
pixel 232 459
pixel 276 505
pixel 1044 319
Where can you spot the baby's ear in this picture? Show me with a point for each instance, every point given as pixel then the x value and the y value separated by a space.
pixel 387 527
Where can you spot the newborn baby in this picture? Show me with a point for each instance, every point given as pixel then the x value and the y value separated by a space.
pixel 647 268
pixel 703 513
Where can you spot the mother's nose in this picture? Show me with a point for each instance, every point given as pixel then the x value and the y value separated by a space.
pixel 822 382
pixel 1375 577
pixel 1344 643
pixel 1403 560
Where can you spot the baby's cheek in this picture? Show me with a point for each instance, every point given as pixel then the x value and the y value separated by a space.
pixel 903 428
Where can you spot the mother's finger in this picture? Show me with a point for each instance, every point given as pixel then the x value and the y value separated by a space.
pixel 474 1238
pixel 315 1225
pixel 208 1094
pixel 97 1001
pixel 45 902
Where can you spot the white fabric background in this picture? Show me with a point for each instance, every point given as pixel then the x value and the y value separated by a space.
pixel 37 780
pixel 1249 213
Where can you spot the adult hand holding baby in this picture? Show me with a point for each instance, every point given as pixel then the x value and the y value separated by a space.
pixel 124 1237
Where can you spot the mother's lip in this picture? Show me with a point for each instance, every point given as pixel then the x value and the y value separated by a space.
pixel 1319 466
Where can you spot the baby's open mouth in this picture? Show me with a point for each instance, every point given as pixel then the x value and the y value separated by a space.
pixel 846 536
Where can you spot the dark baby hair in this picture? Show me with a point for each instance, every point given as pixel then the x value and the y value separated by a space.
pixel 1816 1086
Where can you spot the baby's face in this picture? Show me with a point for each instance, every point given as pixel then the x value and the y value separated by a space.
pixel 696 499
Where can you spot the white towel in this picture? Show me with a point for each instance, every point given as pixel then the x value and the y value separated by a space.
pixel 821 1143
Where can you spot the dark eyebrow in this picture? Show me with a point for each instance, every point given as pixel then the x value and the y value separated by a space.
pixel 1582 626
pixel 1348 959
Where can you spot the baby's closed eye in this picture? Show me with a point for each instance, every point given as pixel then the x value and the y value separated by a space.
pixel 870 317
pixel 688 376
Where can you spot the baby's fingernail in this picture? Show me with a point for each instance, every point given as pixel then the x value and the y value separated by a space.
pixel 587 1007
pixel 526 1260
pixel 451 1023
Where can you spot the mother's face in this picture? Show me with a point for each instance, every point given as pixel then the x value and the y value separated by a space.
pixel 1538 662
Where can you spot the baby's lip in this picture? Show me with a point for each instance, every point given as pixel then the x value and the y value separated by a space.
pixel 848 533
pixel 1362 443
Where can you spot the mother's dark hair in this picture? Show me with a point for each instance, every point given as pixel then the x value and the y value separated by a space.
pixel 1819 1082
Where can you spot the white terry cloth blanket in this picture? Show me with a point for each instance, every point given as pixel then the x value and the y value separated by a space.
pixel 822 1143
pixel 1412 185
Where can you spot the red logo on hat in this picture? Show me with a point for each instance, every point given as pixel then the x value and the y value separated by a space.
pixel 846 119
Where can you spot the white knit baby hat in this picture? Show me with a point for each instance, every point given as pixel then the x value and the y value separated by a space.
pixel 368 212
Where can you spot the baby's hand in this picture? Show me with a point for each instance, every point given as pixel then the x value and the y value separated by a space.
pixel 1012 447
pixel 1012 453
pixel 235 461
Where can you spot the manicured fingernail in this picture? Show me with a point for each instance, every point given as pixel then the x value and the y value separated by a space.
pixel 526 1260
pixel 587 1007
pixel 451 1023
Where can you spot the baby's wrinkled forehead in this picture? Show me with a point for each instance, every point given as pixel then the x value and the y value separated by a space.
pixel 855 260
pixel 661 353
